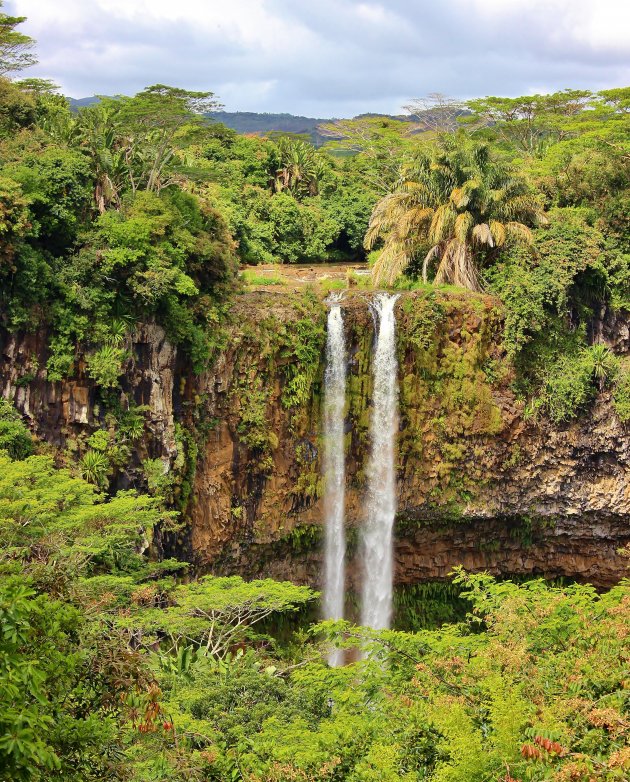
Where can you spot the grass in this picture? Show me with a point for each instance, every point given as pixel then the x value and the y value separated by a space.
pixel 408 284
pixel 250 277
pixel 323 286
pixel 326 286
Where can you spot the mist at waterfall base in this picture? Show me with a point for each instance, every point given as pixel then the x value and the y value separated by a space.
pixel 380 505
pixel 334 472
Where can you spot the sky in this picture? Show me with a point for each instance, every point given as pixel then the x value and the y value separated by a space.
pixel 329 58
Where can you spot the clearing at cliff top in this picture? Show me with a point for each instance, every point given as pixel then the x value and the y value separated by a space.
pixel 269 276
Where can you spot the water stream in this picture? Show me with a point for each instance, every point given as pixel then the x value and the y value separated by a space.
pixel 334 471
pixel 377 553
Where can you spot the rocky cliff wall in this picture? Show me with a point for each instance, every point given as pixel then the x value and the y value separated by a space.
pixel 479 484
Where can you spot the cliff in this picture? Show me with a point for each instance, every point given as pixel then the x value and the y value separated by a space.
pixel 239 445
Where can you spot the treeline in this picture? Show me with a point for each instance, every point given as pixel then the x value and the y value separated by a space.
pixel 138 208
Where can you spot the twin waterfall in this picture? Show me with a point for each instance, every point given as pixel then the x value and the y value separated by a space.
pixel 380 509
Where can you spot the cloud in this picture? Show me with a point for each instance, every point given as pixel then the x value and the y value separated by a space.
pixel 330 57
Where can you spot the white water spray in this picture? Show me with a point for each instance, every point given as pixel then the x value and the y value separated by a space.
pixel 376 606
pixel 334 471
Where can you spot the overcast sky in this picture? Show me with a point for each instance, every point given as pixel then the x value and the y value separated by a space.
pixel 329 57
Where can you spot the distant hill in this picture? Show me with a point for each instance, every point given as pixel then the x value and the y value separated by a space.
pixel 77 103
pixel 262 122
pixel 254 122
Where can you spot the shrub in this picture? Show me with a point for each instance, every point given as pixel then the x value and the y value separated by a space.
pixel 159 479
pixel 15 438
pixel 105 365
pixel 571 381
pixel 94 467
pixel 99 440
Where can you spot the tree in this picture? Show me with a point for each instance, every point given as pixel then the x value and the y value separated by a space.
pixel 437 112
pixel 300 168
pixel 14 223
pixel 18 109
pixel 97 131
pixel 280 228
pixel 138 143
pixel 46 513
pixel 67 687
pixel 531 122
pixel 214 613
pixel 457 204
pixel 15 438
pixel 16 49
pixel 382 144
pixel 155 123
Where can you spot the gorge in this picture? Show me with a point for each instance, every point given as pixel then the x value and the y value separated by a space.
pixel 478 482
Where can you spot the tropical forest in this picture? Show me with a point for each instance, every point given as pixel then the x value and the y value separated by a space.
pixel 314 447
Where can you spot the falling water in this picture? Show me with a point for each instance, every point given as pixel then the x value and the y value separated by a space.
pixel 376 607
pixel 334 470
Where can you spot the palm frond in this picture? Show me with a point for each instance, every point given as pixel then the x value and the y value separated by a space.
pixel 444 272
pixel 481 234
pixel 470 185
pixel 390 264
pixel 417 189
pixel 463 223
pixel 499 234
pixel 442 223
pixel 520 207
pixel 457 267
pixel 460 198
pixel 433 253
pixel 417 219
pixel 519 232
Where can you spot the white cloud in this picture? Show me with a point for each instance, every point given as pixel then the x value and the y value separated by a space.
pixel 597 24
pixel 326 57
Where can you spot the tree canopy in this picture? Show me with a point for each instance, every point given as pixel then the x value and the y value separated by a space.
pixel 16 48
pixel 459 205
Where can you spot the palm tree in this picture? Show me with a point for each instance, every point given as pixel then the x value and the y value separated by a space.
pixel 97 130
pixel 460 204
pixel 299 168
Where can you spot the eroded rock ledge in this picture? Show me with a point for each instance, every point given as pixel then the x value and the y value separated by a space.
pixel 478 484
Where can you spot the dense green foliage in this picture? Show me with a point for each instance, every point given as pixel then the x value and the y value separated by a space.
pixel 112 669
pixel 137 209
pixel 82 611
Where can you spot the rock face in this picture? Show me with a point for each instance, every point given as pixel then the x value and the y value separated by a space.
pixel 64 413
pixel 479 484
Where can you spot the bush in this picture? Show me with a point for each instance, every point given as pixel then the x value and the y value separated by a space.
pixel 15 438
pixel 572 380
pixel 105 366
pixel 564 273
pixel 94 467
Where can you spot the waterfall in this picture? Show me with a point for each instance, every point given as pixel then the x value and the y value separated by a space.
pixel 334 471
pixel 376 606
